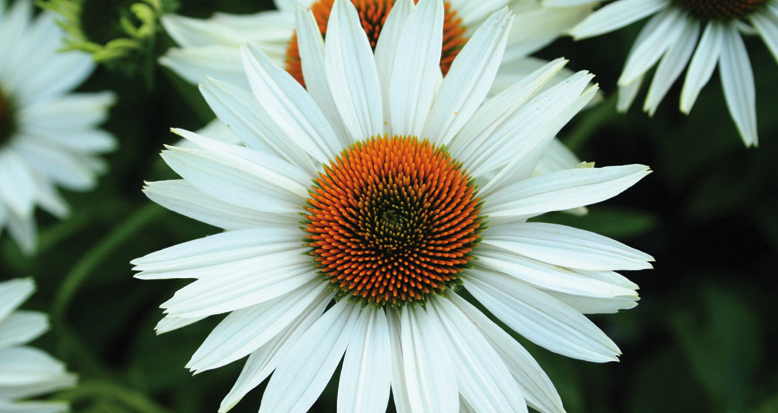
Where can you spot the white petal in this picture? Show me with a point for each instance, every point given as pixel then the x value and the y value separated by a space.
pixel 615 16
pixel 180 196
pixel 540 318
pixel 240 110
pixel 534 29
pixel 195 64
pixel 429 374
pixel 702 64
pixel 33 407
pixel 27 365
pixel 767 26
pixel 469 80
pixel 482 378
pixel 548 277
pixel 242 284
pixel 592 305
pixel 307 367
pixel 672 64
pixel 561 190
pixel 237 181
pixel 21 327
pixel 289 105
pixel 646 53
pixel 13 293
pixel 737 79
pixel 217 249
pixel 386 49
pixel 538 389
pixel 498 109
pixel 399 384
pixel 17 186
pixel 627 94
pixel 366 373
pixel 352 74
pixel 416 68
pixel 168 324
pixel 566 246
pixel 247 329
pixel 311 46
pixel 263 361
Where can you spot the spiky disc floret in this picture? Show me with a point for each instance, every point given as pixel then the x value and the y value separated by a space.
pixel 393 220
pixel 372 15
pixel 720 9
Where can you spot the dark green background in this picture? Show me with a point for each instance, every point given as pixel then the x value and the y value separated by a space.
pixel 700 340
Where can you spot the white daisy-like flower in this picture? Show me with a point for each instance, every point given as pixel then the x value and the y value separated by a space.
pixel 700 34
pixel 25 371
pixel 411 189
pixel 48 137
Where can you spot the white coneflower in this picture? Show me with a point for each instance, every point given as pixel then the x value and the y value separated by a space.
pixel 407 168
pixel 25 371
pixel 48 137
pixel 700 34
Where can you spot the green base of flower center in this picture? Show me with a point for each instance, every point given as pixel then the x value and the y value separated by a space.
pixel 7 119
pixel 100 19
pixel 720 9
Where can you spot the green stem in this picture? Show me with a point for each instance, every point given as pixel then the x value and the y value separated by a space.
pixel 104 248
pixel 130 397
pixel 591 122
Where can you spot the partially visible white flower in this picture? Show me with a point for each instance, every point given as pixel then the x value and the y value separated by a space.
pixel 48 137
pixel 25 371
pixel 406 189
pixel 700 34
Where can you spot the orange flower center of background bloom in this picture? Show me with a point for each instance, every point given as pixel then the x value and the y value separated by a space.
pixel 393 220
pixel 372 14
pixel 721 9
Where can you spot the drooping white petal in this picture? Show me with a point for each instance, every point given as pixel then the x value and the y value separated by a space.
pixel 592 305
pixel 352 74
pixel 767 26
pixel 366 373
pixel 561 190
pixel 263 361
pixel 615 16
pixel 702 64
pixel 540 318
pixel 539 391
pixel 627 94
pixel 195 64
pixel 244 331
pixel 535 28
pixel 416 68
pixel 469 79
pixel 33 407
pixel 737 79
pixel 305 370
pixel 482 378
pixel 168 324
pixel 672 64
pixel 566 246
pixel 429 374
pixel 650 49
pixel 289 105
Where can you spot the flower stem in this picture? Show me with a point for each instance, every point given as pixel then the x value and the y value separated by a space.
pixel 130 397
pixel 104 248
